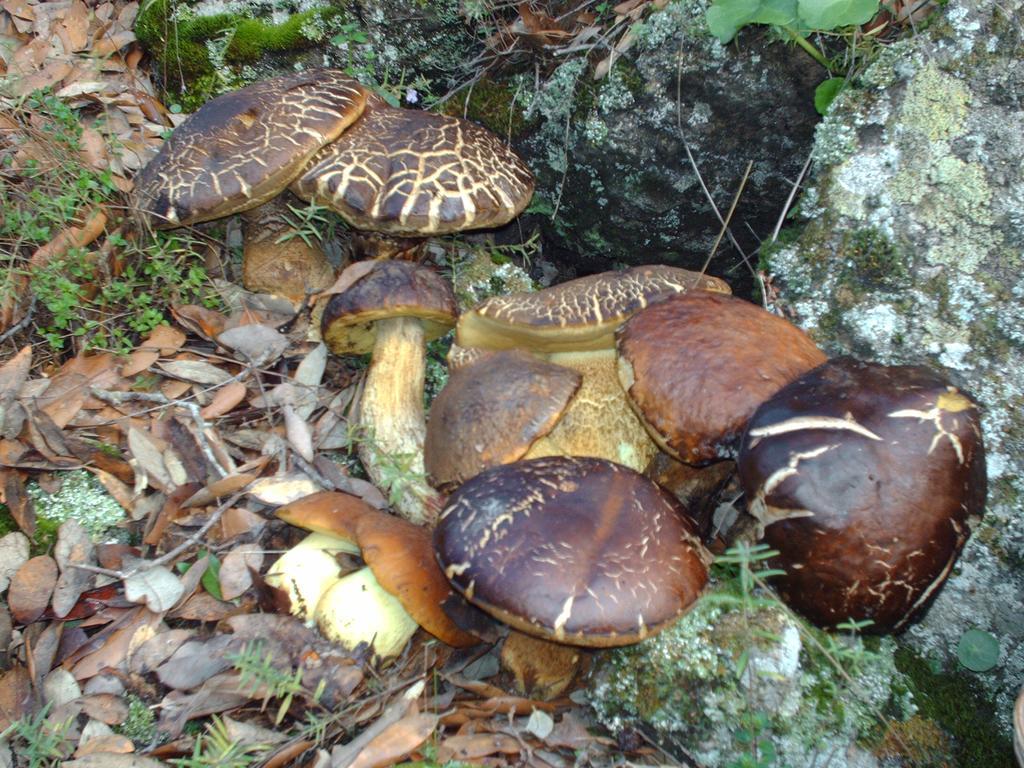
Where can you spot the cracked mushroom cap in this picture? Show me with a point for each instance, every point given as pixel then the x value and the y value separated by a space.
pixel 575 550
pixel 491 412
pixel 697 366
pixel 864 477
pixel 399 553
pixel 414 173
pixel 577 315
pixel 243 148
pixel 387 289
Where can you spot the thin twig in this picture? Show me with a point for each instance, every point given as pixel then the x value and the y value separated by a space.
pixel 790 198
pixel 728 216
pixel 21 323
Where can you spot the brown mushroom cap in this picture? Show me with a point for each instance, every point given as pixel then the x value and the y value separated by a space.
pixel 576 550
pixel 399 553
pixel 696 366
pixel 243 148
pixel 865 476
pixel 491 412
pixel 388 289
pixel 408 172
pixel 577 315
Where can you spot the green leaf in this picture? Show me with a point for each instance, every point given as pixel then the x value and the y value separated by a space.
pixel 978 650
pixel 826 93
pixel 211 578
pixel 829 14
pixel 726 17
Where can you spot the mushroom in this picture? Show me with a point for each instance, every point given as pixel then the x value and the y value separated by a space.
pixel 400 176
pixel 696 366
pixel 241 149
pixel 491 412
pixel 573 324
pixel 864 477
pixel 391 310
pixel 307 570
pixel 579 551
pixel 400 587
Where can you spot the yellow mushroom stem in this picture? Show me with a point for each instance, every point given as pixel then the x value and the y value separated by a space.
pixel 391 413
pixel 307 570
pixel 356 609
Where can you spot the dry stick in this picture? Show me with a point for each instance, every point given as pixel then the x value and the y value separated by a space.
pixel 565 154
pixel 789 199
pixel 21 323
pixel 728 216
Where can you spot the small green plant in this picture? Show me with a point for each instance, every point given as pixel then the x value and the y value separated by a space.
pixel 257 669
pixel 140 725
pixel 216 749
pixel 313 222
pixel 41 742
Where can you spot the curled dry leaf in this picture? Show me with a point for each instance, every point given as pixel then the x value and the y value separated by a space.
pixel 224 400
pixel 283 490
pixel 149 457
pixel 106 743
pixel 195 662
pixel 300 436
pixel 13 374
pixel 74 547
pixel 14 548
pixel 31 588
pixel 112 760
pixel 235 570
pixel 164 340
pixel 157 587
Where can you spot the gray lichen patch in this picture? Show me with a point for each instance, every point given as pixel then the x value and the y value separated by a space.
pixel 80 497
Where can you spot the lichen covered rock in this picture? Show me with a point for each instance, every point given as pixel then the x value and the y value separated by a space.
pixel 911 251
pixel 722 680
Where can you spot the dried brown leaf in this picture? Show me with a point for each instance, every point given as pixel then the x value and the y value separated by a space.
pixel 300 436
pixel 195 662
pixel 74 547
pixel 224 400
pixel 475 746
pixel 149 458
pixel 164 340
pixel 16 699
pixel 235 570
pixel 283 490
pixel 31 588
pixel 98 745
pixel 105 707
pixel 13 375
pixel 14 549
pixel 397 741
pixel 196 371
pixel 217 694
pixel 256 344
pixel 157 587
pixel 112 760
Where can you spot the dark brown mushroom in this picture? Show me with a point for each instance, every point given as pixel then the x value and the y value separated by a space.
pixel 697 365
pixel 576 550
pixel 392 309
pixel 491 412
pixel 864 477
pixel 407 174
pixel 243 148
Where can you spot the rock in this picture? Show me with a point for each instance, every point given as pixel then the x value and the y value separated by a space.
pixel 611 157
pixel 721 680
pixel 910 250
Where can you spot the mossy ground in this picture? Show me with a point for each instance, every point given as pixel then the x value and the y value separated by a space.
pixel 955 701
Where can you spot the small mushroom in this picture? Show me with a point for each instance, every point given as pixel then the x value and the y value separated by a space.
pixel 307 570
pixel 400 557
pixel 696 366
pixel 864 477
pixel 401 176
pixel 391 311
pixel 241 149
pixel 579 551
pixel 573 324
pixel 491 412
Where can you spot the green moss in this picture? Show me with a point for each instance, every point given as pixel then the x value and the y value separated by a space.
pixel 7 524
pixel 140 725
pixel 180 44
pixel 871 260
pixel 957 702
pixel 496 105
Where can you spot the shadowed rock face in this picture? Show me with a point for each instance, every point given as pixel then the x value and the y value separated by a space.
pixel 630 194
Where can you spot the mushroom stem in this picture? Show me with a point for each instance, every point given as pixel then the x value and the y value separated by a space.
pixel 391 412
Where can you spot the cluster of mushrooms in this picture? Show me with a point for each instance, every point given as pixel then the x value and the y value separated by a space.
pixel 583 426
